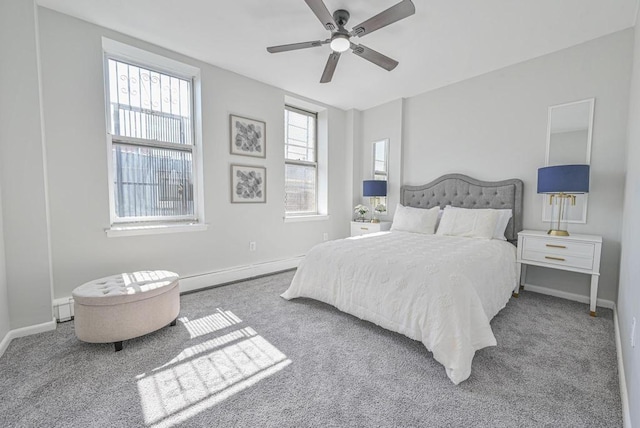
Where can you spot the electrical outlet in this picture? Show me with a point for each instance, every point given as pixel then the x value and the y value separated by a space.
pixel 325 236
pixel 252 246
pixel 633 333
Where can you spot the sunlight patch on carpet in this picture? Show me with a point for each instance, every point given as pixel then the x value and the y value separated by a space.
pixel 205 374
pixel 210 323
pixel 209 345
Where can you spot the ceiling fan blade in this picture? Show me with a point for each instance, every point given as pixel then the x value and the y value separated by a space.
pixel 332 62
pixel 395 13
pixel 295 46
pixel 318 7
pixel 375 57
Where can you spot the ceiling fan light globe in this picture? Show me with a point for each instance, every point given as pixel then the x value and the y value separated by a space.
pixel 340 43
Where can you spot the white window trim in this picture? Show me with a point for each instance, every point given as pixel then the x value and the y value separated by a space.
pixel 313 163
pixel 154 229
pixel 322 159
pixel 305 218
pixel 130 54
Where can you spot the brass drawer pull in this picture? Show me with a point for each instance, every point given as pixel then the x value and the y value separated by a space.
pixel 554 258
pixel 555 246
pixel 364 228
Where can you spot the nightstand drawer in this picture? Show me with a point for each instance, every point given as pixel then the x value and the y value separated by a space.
pixel 559 247
pixel 358 228
pixel 558 259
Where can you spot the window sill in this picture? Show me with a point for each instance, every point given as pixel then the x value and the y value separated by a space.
pixel 155 229
pixel 302 218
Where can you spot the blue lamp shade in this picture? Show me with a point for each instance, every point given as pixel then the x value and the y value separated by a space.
pixel 374 188
pixel 563 179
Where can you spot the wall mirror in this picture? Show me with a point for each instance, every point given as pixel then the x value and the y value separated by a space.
pixel 381 162
pixel 569 131
pixel 381 159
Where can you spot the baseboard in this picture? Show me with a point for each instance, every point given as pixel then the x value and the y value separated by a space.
pixel 4 344
pixel 569 296
pixel 26 331
pixel 223 276
pixel 622 380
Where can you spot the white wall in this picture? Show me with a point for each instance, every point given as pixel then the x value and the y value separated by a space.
pixel 494 126
pixel 74 112
pixel 5 325
pixel 22 171
pixel 629 293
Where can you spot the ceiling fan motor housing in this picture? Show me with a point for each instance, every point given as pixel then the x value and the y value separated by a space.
pixel 340 38
pixel 341 17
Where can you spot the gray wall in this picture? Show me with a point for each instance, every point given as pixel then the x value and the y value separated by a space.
pixel 4 297
pixel 354 137
pixel 379 123
pixel 494 127
pixel 629 294
pixel 22 169
pixel 74 113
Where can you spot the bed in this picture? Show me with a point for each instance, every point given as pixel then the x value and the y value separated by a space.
pixel 440 290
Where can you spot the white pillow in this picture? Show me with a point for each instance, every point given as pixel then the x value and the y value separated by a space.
pixel 503 220
pixel 468 223
pixel 440 212
pixel 415 220
pixel 501 225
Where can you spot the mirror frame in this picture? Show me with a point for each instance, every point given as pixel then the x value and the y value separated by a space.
pixel 546 211
pixel 373 165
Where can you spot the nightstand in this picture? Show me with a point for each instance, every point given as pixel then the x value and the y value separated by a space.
pixel 575 253
pixel 359 228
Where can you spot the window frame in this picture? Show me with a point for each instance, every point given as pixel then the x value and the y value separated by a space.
pixel 314 164
pixel 155 63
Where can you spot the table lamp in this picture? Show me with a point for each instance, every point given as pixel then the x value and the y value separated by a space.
pixel 374 189
pixel 562 183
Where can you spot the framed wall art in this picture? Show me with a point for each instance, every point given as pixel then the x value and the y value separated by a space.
pixel 248 136
pixel 248 184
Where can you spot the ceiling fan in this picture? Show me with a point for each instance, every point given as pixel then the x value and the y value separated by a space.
pixel 340 37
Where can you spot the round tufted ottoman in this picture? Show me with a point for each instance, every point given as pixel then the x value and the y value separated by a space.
pixel 124 306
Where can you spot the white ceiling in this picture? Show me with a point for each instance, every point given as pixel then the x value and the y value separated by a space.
pixel 446 41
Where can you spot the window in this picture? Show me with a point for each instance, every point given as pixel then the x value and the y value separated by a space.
pixel 301 166
pixel 152 143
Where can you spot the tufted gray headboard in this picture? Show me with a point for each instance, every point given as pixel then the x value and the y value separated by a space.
pixel 461 191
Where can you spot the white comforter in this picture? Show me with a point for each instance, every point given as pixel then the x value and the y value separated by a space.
pixel 440 290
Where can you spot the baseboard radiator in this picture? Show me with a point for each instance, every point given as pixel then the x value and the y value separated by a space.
pixel 63 309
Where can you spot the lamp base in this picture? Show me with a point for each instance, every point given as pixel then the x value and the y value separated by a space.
pixel 555 232
pixel 375 220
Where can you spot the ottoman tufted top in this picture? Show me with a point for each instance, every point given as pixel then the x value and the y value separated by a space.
pixel 125 287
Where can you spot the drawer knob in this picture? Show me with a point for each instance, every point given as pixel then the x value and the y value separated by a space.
pixel 554 258
pixel 364 228
pixel 556 246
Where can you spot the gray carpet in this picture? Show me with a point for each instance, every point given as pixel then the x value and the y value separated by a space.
pixel 242 356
